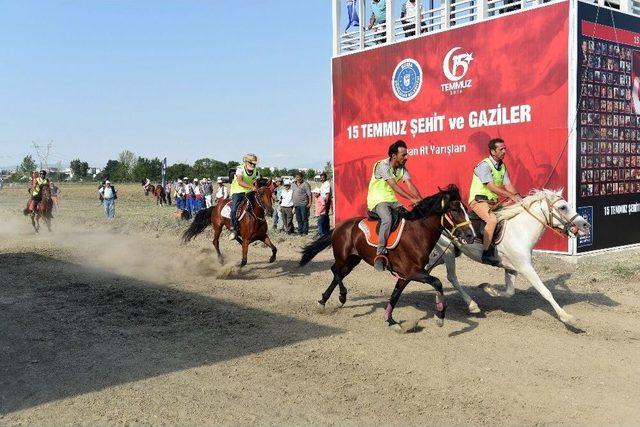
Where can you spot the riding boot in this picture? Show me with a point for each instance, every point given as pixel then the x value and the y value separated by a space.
pixel 489 256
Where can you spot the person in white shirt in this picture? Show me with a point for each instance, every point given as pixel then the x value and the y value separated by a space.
pixel 408 15
pixel 108 195
pixel 222 193
pixel 286 206
pixel 325 195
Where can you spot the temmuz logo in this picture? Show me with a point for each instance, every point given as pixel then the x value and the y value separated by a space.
pixel 455 67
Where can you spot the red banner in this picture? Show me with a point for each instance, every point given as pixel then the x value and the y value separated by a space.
pixel 446 95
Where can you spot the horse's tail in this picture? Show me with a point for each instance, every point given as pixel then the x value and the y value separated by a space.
pixel 200 222
pixel 314 248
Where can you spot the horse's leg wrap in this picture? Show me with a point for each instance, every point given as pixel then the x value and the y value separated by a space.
pixel 441 305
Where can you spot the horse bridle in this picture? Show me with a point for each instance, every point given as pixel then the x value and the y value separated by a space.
pixel 257 199
pixel 554 213
pixel 454 226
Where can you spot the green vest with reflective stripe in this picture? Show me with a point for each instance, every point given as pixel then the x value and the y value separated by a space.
pixel 380 190
pixel 478 188
pixel 36 188
pixel 248 179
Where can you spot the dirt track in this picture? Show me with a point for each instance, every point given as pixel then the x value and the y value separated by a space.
pixel 114 323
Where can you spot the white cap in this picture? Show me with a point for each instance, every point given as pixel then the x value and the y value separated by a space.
pixel 316 190
pixel 219 180
pixel 180 181
pixel 107 182
pixel 287 181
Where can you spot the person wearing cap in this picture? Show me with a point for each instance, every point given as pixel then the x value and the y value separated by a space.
pixel 243 182
pixel 207 190
pixel 189 196
pixel 108 194
pixel 222 193
pixel 180 195
pixel 286 206
pixel 198 196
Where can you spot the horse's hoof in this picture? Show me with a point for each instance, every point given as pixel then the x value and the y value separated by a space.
pixel 569 320
pixel 272 259
pixel 489 289
pixel 321 306
pixel 342 299
pixel 473 308
pixel 395 327
pixel 439 321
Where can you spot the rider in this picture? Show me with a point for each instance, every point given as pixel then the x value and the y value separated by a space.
pixel 36 189
pixel 490 181
pixel 243 183
pixel 381 197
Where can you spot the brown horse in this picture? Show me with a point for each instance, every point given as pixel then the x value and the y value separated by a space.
pixel 42 209
pixel 444 211
pixel 252 227
pixel 160 194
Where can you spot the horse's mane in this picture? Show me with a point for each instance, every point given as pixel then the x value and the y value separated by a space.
pixel 432 204
pixel 534 196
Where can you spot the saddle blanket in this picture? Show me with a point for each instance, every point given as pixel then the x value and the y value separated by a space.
pixel 368 227
pixel 226 210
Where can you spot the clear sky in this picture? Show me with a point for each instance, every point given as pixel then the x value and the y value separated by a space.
pixel 181 79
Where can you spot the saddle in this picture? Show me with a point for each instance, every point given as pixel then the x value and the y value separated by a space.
pixel 371 227
pixel 240 212
pixel 478 226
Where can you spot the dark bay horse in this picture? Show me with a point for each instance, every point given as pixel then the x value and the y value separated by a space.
pixel 43 209
pixel 160 194
pixel 443 211
pixel 251 228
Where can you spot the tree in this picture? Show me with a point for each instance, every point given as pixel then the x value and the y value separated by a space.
pixel 209 168
pixel 311 174
pixel 79 168
pixel 328 169
pixel 147 168
pixel 179 171
pixel 127 162
pixel 27 165
pixel 112 170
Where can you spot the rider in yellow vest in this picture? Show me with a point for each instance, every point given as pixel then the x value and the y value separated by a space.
pixel 490 181
pixel 381 197
pixel 36 189
pixel 243 183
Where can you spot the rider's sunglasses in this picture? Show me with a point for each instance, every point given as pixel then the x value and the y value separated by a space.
pixel 252 163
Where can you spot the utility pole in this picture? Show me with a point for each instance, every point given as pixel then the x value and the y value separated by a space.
pixel 43 154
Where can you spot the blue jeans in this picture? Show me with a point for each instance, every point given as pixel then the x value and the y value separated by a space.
pixel 302 218
pixel 235 201
pixel 109 207
pixel 323 224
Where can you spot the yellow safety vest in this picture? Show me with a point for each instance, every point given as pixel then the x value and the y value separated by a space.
pixel 380 190
pixel 479 188
pixel 36 188
pixel 248 179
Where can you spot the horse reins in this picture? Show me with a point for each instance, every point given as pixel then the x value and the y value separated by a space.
pixel 549 224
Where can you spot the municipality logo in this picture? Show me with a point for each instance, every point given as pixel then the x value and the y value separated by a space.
pixel 406 80
pixel 455 67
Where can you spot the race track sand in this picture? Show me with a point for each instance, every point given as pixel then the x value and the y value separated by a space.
pixel 117 323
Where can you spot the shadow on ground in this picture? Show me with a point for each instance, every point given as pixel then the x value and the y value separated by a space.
pixel 69 330
pixel 523 303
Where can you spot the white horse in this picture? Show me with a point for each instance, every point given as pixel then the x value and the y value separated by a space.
pixel 525 223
